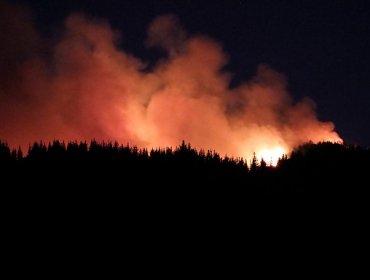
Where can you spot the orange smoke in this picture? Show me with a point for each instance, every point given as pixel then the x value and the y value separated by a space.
pixel 84 86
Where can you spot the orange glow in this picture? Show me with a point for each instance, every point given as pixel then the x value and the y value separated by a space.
pixel 271 156
pixel 89 88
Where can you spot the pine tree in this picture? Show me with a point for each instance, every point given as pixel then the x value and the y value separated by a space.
pixel 254 163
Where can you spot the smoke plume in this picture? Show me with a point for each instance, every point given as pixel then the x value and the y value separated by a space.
pixel 83 86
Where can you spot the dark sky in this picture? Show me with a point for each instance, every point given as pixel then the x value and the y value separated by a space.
pixel 321 46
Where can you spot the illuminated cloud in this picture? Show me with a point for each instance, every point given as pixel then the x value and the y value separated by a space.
pixel 89 88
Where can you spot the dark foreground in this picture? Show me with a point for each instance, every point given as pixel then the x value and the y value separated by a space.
pixel 104 209
pixel 78 171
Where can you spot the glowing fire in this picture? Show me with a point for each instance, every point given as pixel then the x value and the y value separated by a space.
pixel 89 88
pixel 271 156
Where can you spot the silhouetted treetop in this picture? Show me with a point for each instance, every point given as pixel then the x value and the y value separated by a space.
pixel 307 168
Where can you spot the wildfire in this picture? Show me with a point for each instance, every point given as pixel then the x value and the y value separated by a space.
pixel 271 156
pixel 90 88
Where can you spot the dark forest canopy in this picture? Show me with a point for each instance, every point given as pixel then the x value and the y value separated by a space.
pixel 311 168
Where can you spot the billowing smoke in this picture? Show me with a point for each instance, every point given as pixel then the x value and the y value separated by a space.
pixel 82 86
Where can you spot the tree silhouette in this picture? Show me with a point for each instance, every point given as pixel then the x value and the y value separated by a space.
pixel 254 163
pixel 315 169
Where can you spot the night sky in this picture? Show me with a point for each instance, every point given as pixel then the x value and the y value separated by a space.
pixel 321 46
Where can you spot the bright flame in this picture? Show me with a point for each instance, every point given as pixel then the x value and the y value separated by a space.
pixel 271 156
pixel 89 88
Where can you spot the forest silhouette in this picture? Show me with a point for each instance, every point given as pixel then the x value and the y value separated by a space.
pixel 323 168
pixel 107 191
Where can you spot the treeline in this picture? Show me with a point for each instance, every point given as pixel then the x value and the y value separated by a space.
pixel 108 164
pixel 311 168
pixel 108 151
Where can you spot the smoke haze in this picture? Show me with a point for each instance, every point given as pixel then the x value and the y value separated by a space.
pixel 83 86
